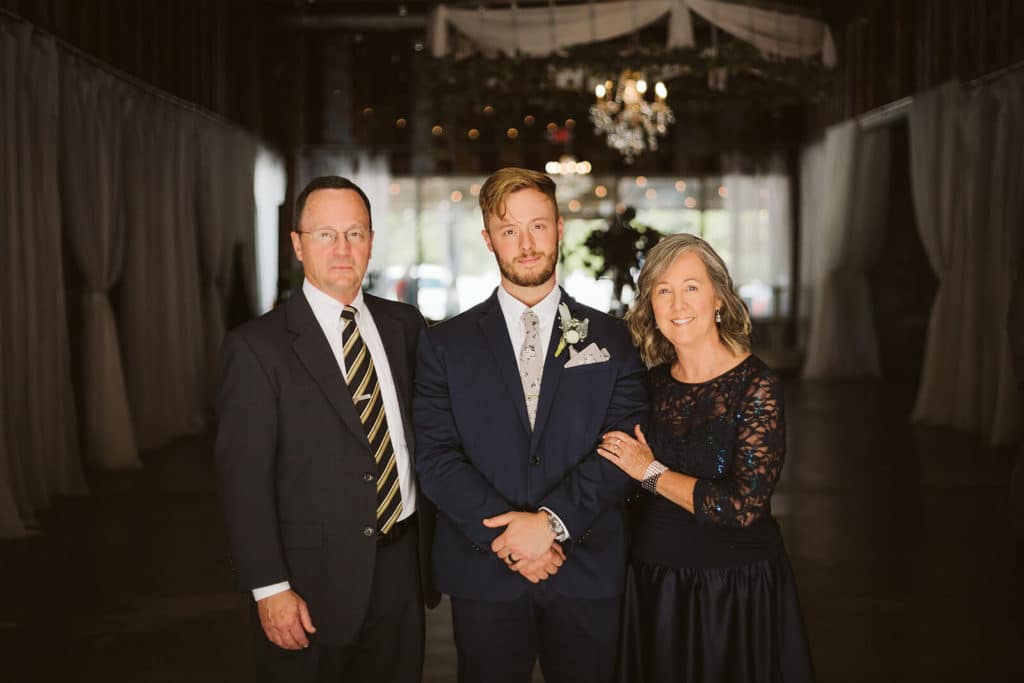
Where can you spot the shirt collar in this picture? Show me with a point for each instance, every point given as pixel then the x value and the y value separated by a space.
pixel 512 308
pixel 326 308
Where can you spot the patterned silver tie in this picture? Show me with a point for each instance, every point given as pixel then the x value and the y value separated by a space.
pixel 531 365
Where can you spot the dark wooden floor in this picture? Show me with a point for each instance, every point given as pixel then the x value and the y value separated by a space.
pixel 900 539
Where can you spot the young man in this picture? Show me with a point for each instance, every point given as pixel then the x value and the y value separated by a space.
pixel 511 399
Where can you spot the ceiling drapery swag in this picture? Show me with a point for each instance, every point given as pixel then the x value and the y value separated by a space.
pixel 543 30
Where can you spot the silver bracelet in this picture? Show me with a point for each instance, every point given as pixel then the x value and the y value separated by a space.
pixel 651 475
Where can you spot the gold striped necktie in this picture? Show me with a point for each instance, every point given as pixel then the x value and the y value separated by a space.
pixel 365 389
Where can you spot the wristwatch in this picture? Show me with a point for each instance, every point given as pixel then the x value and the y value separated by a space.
pixel 556 526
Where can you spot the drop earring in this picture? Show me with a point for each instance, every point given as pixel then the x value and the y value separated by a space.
pixel 718 316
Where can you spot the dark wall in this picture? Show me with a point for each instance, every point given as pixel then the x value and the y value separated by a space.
pixel 900 47
pixel 207 52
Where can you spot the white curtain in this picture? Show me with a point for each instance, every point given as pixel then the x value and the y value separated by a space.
pixel 773 33
pixel 967 177
pixel 842 339
pixel 268 183
pixel 373 175
pixel 39 451
pixel 757 205
pixel 812 211
pixel 90 187
pixel 540 31
pixel 938 199
pixel 161 305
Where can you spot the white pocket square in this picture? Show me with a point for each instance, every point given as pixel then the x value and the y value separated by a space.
pixel 589 355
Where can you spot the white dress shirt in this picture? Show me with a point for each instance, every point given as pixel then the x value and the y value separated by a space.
pixel 327 311
pixel 546 310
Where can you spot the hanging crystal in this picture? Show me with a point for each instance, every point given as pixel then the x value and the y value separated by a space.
pixel 630 122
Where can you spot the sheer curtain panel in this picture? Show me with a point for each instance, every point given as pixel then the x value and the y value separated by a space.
pixel 91 121
pixel 843 339
pixel 161 307
pixel 40 452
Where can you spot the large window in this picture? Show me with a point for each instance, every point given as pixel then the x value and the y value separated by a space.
pixel 430 251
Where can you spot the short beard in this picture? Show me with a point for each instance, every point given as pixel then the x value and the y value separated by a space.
pixel 525 281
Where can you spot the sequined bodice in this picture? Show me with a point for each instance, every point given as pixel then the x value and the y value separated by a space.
pixel 730 433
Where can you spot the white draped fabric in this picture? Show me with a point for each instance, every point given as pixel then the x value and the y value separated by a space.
pixel 373 175
pixel 152 198
pixel 269 185
pixel 39 449
pixel 90 188
pixel 966 176
pixel 812 208
pixel 773 33
pixel 846 239
pixel 539 31
pixel 161 306
pixel 934 165
pixel 761 225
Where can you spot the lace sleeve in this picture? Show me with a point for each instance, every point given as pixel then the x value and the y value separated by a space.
pixel 741 497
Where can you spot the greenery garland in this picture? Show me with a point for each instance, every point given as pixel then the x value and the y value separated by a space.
pixel 564 82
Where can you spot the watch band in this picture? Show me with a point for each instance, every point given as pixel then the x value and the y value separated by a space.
pixel 556 526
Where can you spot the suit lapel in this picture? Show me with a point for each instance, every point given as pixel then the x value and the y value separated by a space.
pixel 314 352
pixel 394 339
pixel 492 324
pixel 553 368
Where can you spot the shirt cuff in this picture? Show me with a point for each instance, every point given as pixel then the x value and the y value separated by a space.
pixel 564 536
pixel 273 589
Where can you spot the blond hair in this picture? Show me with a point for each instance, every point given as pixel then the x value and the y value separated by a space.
pixel 505 181
pixel 734 330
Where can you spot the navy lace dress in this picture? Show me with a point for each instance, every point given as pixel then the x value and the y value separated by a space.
pixel 710 597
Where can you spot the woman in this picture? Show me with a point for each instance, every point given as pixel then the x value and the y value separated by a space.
pixel 709 596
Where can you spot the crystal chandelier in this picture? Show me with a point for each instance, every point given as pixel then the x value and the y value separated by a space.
pixel 630 122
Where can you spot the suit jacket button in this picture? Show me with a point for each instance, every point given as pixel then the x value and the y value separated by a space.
pixel 368 478
pixel 368 531
pixel 535 460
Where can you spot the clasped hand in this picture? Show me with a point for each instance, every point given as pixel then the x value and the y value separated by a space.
pixel 527 545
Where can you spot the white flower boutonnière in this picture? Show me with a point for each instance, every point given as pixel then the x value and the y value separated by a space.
pixel 573 329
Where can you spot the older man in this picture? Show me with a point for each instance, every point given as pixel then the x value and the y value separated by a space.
pixel 314 462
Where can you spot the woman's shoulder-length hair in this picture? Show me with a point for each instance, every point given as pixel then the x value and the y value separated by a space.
pixel 734 330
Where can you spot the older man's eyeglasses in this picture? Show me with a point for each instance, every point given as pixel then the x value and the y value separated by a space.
pixel 328 237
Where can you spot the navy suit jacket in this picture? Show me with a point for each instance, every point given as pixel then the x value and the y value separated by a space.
pixel 477 457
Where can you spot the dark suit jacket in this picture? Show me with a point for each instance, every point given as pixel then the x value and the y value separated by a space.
pixel 292 460
pixel 477 457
